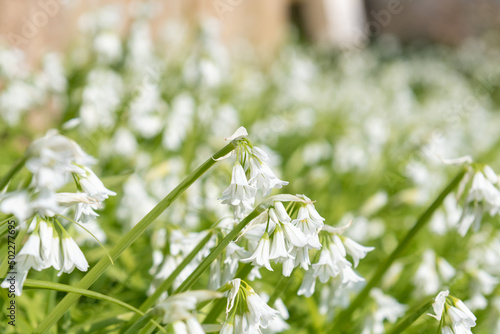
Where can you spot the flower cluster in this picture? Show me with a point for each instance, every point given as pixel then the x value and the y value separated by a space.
pixel 246 312
pixel 251 174
pixel 283 239
pixel 332 261
pixel 54 160
pixel 453 315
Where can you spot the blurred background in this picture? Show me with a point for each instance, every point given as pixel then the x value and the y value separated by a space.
pixel 41 26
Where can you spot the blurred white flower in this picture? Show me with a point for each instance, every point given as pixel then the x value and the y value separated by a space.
pixel 483 195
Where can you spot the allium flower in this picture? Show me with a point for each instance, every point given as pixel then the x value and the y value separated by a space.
pixel 93 186
pixel 261 255
pixel 240 195
pixel 483 196
pixel 356 250
pixel 250 175
pixel 261 176
pixel 308 226
pixel 332 261
pixel 287 245
pixel 85 204
pixel 278 247
pixel 246 312
pixel 29 257
pixel 452 314
pixel 16 203
pixel 51 159
pixel 72 257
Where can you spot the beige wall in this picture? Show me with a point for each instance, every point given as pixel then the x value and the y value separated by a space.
pixel 261 22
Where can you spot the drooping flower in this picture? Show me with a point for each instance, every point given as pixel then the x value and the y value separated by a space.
pixel 483 195
pixel 72 256
pixel 240 195
pixel 332 261
pixel 246 312
pixel 261 255
pixel 261 175
pixel 251 175
pixel 93 186
pixel 452 314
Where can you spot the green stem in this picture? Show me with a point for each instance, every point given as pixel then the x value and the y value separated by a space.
pixel 128 239
pixel 166 284
pixel 13 171
pixel 345 316
pixel 406 322
pixel 188 283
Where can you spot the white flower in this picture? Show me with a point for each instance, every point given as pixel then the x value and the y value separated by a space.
pixel 308 284
pixel 180 307
pixel 278 247
pixel 312 213
pixel 93 186
pixel 301 256
pixel 85 204
pixel 453 314
pixel 227 328
pixel 29 257
pixel 30 253
pixel 55 257
pixel 261 176
pixel 260 257
pixel 16 203
pixel 438 305
pixel 250 316
pixel 308 226
pixel 356 250
pixel 46 236
pixel 260 312
pixel 278 325
pixel 325 268
pixel 52 158
pixel 72 257
pixel 294 236
pixel 240 195
pixel 483 195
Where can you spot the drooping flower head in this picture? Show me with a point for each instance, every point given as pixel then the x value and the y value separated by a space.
pixel 453 315
pixel 251 175
pixel 246 312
